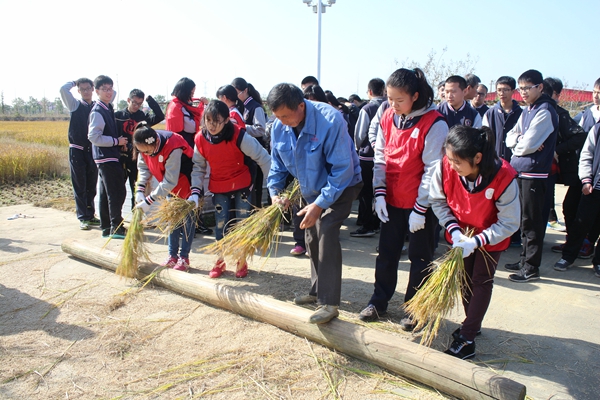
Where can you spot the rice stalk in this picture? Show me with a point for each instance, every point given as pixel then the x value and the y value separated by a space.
pixel 172 213
pixel 257 233
pixel 134 247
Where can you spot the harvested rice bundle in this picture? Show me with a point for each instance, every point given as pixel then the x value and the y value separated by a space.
pixel 172 213
pixel 134 247
pixel 258 232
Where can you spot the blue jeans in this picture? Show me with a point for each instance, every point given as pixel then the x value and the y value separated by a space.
pixel 186 233
pixel 223 203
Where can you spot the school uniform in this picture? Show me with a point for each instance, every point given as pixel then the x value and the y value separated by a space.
pixel 501 122
pixel 184 119
pixel 590 117
pixel 482 109
pixel 256 123
pixel 466 115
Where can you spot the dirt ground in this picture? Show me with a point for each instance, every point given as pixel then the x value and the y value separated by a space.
pixel 69 329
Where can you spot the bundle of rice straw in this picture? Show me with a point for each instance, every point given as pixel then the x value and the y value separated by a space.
pixel 259 232
pixel 172 212
pixel 134 247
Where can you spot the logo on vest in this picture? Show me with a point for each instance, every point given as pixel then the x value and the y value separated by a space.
pixel 415 133
pixel 489 193
pixel 161 158
pixel 467 122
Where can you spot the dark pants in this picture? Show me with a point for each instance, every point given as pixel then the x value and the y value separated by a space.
pixel 112 195
pixel 131 173
pixel 299 234
pixel 365 198
pixel 84 177
pixel 549 214
pixel 533 226
pixel 477 298
pixel 571 203
pixel 420 253
pixel 257 190
pixel 586 220
pixel 325 250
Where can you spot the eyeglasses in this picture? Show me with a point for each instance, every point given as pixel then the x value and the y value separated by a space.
pixel 527 88
pixel 503 90
pixel 104 89
pixel 86 89
pixel 214 123
pixel 135 103
pixel 481 94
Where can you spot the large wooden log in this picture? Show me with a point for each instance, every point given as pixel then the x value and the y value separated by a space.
pixel 447 374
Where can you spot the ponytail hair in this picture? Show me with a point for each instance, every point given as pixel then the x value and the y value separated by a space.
pixel 144 134
pixel 255 95
pixel 412 81
pixel 465 142
pixel 231 94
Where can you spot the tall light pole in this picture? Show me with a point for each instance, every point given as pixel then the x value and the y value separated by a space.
pixel 318 8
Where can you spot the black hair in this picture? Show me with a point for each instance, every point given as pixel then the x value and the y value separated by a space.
pixel 342 100
pixel 597 83
pixel 412 81
pixel 331 99
pixel 136 93
pixel 143 132
pixel 81 81
pixel 309 80
pixel 353 97
pixel 102 80
pixel 376 86
pixel 472 80
pixel 441 84
pixel 531 76
pixel 285 95
pixel 241 84
pixel 555 83
pixel 485 87
pixel 215 110
pixel 183 90
pixel 507 80
pixel 465 142
pixel 231 94
pixel 462 83
pixel 547 88
pixel 315 93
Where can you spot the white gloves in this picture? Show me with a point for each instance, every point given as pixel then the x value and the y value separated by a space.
pixel 416 222
pixel 194 199
pixel 139 196
pixel 456 236
pixel 468 245
pixel 381 209
pixel 143 205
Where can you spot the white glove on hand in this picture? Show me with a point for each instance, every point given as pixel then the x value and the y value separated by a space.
pixel 416 222
pixel 468 245
pixel 194 199
pixel 456 236
pixel 143 205
pixel 139 196
pixel 381 209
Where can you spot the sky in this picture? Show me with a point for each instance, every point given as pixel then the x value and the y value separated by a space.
pixel 151 44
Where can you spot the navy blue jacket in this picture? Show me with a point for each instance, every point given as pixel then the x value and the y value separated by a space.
pixel 464 116
pixel 501 123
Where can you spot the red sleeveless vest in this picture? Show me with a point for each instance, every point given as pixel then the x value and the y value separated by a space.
pixel 156 164
pixel 228 172
pixel 476 210
pixel 403 157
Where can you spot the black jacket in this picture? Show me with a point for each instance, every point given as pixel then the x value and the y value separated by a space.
pixel 569 141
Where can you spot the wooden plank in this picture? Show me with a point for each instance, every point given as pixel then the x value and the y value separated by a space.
pixel 428 366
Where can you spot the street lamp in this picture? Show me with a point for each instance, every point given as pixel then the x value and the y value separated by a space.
pixel 318 8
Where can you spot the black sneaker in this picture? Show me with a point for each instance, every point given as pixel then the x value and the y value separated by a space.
pixel 562 265
pixel 460 348
pixel 456 333
pixel 596 268
pixel 362 232
pixel 105 232
pixel 525 275
pixel 370 314
pixel 94 221
pixel 514 266
pixel 119 233
pixel 408 324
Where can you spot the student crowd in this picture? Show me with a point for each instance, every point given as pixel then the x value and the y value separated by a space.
pixel 484 175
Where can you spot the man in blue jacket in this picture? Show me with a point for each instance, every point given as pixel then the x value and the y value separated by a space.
pixel 311 142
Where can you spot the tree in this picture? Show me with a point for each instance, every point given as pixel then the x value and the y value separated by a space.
pixel 122 105
pixel 19 105
pixel 59 106
pixel 34 105
pixel 46 105
pixel 162 101
pixel 3 107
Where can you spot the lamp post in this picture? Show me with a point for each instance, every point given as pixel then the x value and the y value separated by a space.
pixel 318 8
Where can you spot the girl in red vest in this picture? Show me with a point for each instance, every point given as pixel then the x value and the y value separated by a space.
pixel 472 188
pixel 182 117
pixel 166 156
pixel 228 95
pixel 227 148
pixel 409 144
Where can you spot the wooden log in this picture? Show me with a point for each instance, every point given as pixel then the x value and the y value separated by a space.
pixel 428 366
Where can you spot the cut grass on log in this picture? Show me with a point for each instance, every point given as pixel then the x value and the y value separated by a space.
pixel 257 233
pixel 172 213
pixel 134 246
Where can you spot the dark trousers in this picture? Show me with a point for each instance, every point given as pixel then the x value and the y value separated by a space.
pixel 84 178
pixel 586 220
pixel 480 270
pixel 257 190
pixel 420 253
pixel 533 226
pixel 299 234
pixel 548 211
pixel 130 173
pixel 365 198
pixel 571 203
pixel 325 250
pixel 112 194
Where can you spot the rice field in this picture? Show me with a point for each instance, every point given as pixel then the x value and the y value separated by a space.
pixel 33 150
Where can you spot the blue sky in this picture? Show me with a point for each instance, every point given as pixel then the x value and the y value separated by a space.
pixel 151 44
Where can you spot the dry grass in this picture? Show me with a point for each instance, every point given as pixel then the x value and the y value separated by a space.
pixel 134 246
pixel 172 213
pixel 53 133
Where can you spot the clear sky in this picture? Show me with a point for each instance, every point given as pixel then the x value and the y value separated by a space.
pixel 151 44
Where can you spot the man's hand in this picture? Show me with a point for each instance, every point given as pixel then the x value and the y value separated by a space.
pixel 122 140
pixel 311 213
pixel 587 189
pixel 284 203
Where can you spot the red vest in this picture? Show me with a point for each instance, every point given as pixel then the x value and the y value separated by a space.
pixel 174 117
pixel 476 210
pixel 403 157
pixel 156 164
pixel 228 172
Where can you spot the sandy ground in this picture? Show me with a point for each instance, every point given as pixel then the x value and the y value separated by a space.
pixel 67 330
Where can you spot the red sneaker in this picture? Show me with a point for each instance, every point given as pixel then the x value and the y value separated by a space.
pixel 218 269
pixel 243 271
pixel 169 262
pixel 183 264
